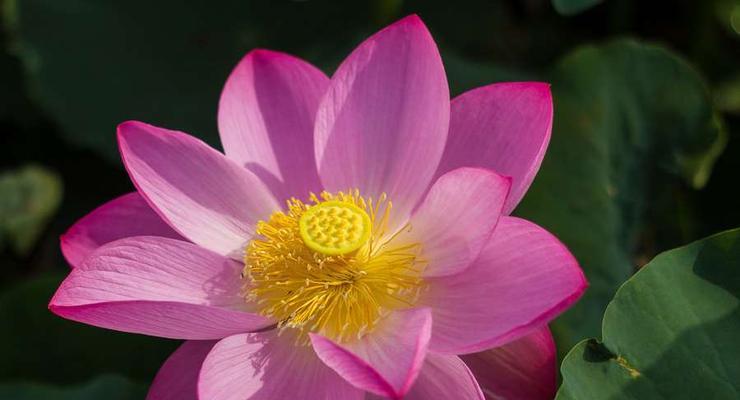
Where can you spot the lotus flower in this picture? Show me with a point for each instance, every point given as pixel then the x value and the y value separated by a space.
pixel 353 241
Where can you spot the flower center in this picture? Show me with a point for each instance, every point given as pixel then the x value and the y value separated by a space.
pixel 330 267
pixel 335 227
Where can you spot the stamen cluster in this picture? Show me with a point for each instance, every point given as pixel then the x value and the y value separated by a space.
pixel 341 296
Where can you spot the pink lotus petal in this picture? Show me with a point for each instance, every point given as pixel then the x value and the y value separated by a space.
pixel 206 197
pixel 442 377
pixel 445 377
pixel 387 360
pixel 504 127
pixel 523 278
pixel 457 217
pixel 525 369
pixel 266 119
pixel 265 366
pixel 177 379
pixel 125 216
pixel 157 286
pixel 383 123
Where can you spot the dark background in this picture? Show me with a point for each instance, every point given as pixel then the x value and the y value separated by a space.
pixel 645 154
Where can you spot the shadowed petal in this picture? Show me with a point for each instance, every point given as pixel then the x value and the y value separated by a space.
pixel 157 286
pixel 177 379
pixel 442 377
pixel 266 120
pixel 265 366
pixel 456 218
pixel 387 360
pixel 525 369
pixel 383 123
pixel 204 196
pixel 125 216
pixel 523 278
pixel 504 127
pixel 445 377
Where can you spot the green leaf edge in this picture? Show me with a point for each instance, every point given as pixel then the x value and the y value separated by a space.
pixel 621 361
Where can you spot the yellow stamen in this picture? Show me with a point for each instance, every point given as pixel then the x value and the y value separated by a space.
pixel 329 267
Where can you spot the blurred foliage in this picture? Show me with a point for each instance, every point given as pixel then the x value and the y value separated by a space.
pixel 670 332
pixel 629 172
pixel 110 387
pixel 139 66
pixel 630 119
pixel 40 346
pixel 728 96
pixel 30 196
pixel 728 15
pixel 571 7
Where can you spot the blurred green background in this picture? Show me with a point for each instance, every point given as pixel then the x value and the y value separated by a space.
pixel 645 153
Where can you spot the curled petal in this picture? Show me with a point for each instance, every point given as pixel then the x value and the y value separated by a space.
pixel 504 127
pixel 177 379
pixel 265 366
pixel 387 360
pixel 523 278
pixel 525 369
pixel 203 195
pixel 125 216
pixel 382 125
pixel 456 218
pixel 160 287
pixel 442 377
pixel 266 119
